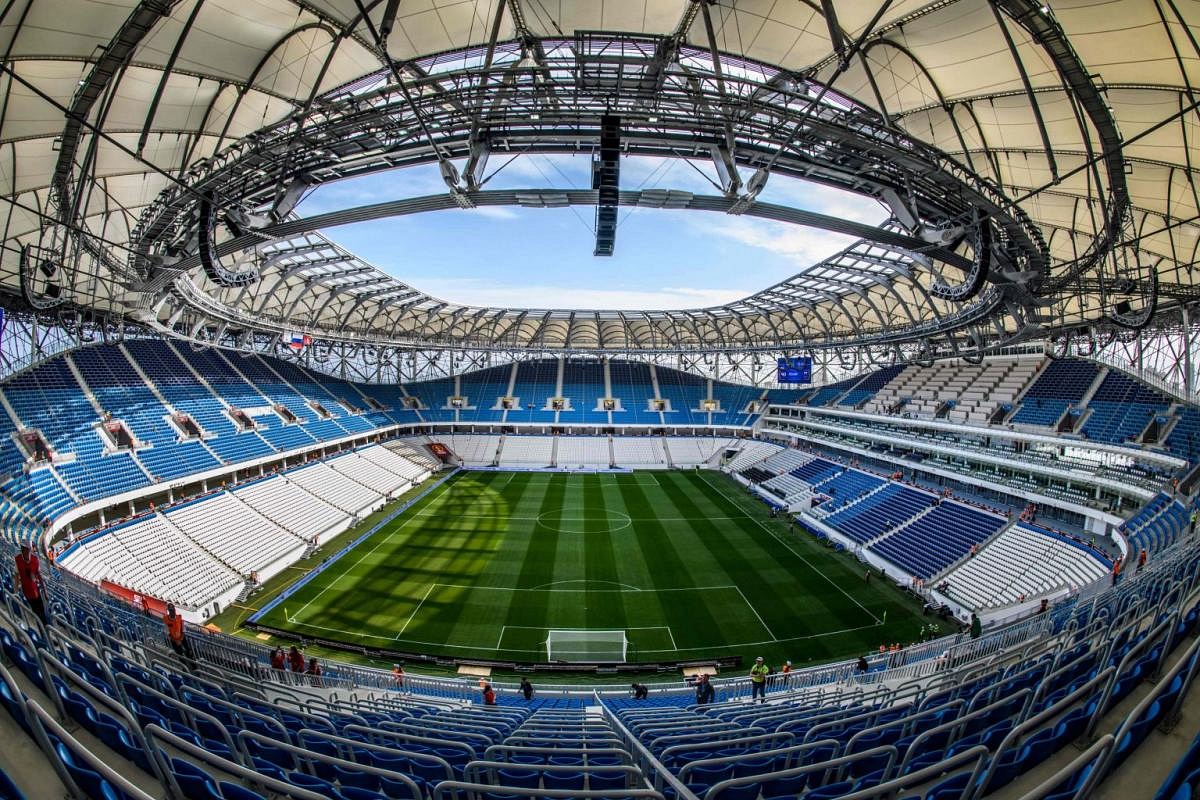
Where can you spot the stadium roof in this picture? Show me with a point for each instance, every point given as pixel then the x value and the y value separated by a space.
pixel 1038 159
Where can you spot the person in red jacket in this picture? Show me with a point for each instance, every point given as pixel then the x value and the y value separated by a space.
pixel 278 660
pixel 29 581
pixel 295 660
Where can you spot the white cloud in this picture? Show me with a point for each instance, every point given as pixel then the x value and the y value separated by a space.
pixel 494 212
pixel 802 246
pixel 476 291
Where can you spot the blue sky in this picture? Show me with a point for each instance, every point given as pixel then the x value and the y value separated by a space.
pixel 542 258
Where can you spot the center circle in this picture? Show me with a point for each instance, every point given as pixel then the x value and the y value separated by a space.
pixel 600 521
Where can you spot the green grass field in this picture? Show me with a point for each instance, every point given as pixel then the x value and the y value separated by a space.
pixel 684 563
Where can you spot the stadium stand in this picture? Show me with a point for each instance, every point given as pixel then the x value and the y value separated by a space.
pixel 991 715
pixel 1062 383
pixel 152 555
pixel 323 481
pixel 474 450
pixel 584 452
pixel 935 539
pixel 526 451
pixel 686 451
pixel 1121 409
pixel 964 392
pixel 639 452
pixel 1024 561
pixel 882 511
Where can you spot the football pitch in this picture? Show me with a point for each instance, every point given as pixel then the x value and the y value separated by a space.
pixel 678 565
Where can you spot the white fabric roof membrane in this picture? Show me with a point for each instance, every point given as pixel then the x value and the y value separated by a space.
pixel 949 73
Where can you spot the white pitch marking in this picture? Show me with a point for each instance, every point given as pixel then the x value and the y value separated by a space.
pixel 382 539
pixel 795 552
pixel 750 605
pixel 415 610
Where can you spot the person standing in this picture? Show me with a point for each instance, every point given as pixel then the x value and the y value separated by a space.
pixel 705 693
pixel 489 694
pixel 278 660
pixel 398 676
pixel 29 581
pixel 758 680
pixel 976 626
pixel 527 689
pixel 786 668
pixel 1142 557
pixel 176 635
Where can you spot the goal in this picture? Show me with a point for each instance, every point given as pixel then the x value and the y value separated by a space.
pixel 586 646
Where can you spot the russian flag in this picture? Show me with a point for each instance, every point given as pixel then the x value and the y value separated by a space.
pixel 298 341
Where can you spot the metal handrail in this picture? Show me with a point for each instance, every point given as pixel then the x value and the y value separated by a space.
pixel 44 726
pixel 1098 751
pixel 650 764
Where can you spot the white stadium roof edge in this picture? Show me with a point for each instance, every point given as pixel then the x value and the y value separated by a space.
pixel 1039 159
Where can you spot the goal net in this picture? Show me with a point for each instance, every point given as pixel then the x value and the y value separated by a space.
pixel 586 646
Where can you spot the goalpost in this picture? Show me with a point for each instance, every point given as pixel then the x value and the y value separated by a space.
pixel 586 646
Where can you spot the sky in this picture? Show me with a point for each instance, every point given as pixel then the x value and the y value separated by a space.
pixel 542 258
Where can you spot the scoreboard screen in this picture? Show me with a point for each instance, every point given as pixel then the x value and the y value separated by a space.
pixel 794 370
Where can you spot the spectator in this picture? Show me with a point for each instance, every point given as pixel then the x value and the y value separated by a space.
pixel 29 580
pixel 1045 606
pixel 489 694
pixel 398 676
pixel 177 636
pixel 758 680
pixel 1116 571
pixel 527 689
pixel 295 660
pixel 705 693
pixel 278 660
pixel 314 672
pixel 1142 557
pixel 862 667
pixel 786 668
pixel 976 626
pixel 639 691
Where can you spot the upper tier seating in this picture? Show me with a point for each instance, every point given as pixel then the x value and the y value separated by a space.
pixel 866 388
pixel 631 385
pixel 1025 561
pixel 583 388
pixel 1121 408
pixel 974 390
pixel 1061 384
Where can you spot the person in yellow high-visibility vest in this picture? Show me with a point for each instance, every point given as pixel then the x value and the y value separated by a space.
pixel 758 680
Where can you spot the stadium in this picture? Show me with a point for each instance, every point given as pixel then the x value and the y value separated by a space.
pixel 599 399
